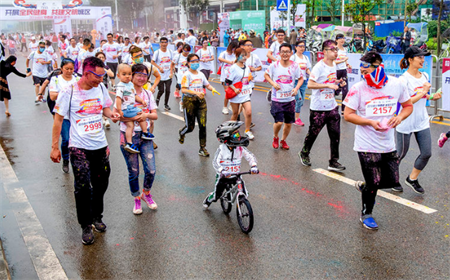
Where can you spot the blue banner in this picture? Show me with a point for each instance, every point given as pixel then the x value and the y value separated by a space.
pixel 392 65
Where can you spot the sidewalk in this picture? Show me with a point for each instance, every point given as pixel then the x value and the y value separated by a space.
pixel 4 271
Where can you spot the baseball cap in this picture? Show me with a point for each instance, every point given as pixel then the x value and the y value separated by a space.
pixel 414 51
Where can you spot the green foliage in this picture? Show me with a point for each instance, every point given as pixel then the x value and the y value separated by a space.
pixel 432 28
pixel 361 8
pixel 397 33
pixel 194 5
pixel 432 44
pixel 333 7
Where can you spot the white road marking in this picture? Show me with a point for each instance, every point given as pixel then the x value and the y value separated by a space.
pixel 44 259
pixel 413 205
pixel 175 116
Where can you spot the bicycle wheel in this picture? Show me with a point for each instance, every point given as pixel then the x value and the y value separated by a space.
pixel 226 205
pixel 245 219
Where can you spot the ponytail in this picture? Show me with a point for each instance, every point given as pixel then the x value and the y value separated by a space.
pixel 404 63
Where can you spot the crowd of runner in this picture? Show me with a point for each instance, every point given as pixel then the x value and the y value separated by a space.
pixel 80 101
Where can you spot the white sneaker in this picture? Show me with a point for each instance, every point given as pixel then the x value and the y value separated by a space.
pixel 106 123
pixel 250 135
pixel 181 107
pixel 36 102
pixel 225 111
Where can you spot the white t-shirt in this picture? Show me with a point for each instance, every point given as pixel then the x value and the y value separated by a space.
pixel 191 40
pixel 178 40
pixel 419 119
pixel 226 66
pixel 304 63
pixel 323 99
pixel 255 62
pixel 208 54
pixel 125 52
pixel 58 83
pixel 110 50
pixel 127 93
pixel 180 62
pixel 72 52
pixel 86 113
pixel 82 55
pixel 285 77
pixel 40 70
pixel 147 96
pixel 375 104
pixel 275 48
pixel 164 60
pixel 146 47
pixel 79 45
pixel 342 55
pixel 194 82
pixel 63 45
pixel 32 47
pixel 237 74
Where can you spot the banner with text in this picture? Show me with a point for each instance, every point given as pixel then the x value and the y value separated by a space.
pixel 446 84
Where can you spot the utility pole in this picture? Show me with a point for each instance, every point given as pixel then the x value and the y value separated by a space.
pixel 289 15
pixel 406 5
pixel 342 13
pixel 117 17
pixel 257 4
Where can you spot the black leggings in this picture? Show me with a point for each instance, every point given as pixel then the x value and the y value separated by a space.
pixel 342 74
pixel 195 108
pixel 164 87
pixel 148 58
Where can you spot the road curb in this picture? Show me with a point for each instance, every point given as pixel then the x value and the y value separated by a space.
pixel 4 269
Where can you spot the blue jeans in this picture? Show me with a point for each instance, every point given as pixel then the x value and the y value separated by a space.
pixel 300 97
pixel 65 130
pixel 148 160
pixel 131 112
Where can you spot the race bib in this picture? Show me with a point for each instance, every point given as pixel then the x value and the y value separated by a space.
pixel 246 91
pixel 91 125
pixel 379 108
pixel 231 167
pixel 284 94
pixel 326 95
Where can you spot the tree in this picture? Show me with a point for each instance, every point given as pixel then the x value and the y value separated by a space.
pixel 360 10
pixel 195 7
pixel 332 6
pixel 442 6
pixel 311 9
pixel 410 9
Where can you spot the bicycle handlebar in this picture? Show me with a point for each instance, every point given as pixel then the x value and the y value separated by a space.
pixel 242 173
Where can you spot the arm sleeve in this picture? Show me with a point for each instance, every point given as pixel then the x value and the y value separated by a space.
pixel 257 61
pixel 269 70
pixel 15 71
pixel 216 161
pixel 249 156
pixel 62 102
pixel 107 102
pixel 154 57
pixel 352 98
pixel 53 86
pixel 31 56
pixel 404 95
pixel 315 73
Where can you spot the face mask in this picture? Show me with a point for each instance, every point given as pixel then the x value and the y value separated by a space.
pixel 241 58
pixel 139 60
pixel 377 79
pixel 42 49
pixel 195 66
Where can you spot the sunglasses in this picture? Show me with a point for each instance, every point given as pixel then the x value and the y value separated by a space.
pixel 194 60
pixel 367 65
pixel 97 75
pixel 141 75
pixel 332 49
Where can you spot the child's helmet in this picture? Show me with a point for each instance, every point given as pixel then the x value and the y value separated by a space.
pixel 228 133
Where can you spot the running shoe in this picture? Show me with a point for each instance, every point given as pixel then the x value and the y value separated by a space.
pixel 225 111
pixel 369 222
pixel 87 237
pixel 157 102
pixel 359 185
pixel 269 96
pixel 206 202
pixel 167 108
pixel 442 140
pixel 398 188
pixel 299 122
pixel 284 145
pixel 414 184
pixel 36 102
pixel 275 143
pixel 304 159
pixel 65 166
pixel 250 135
pixel 203 152
pixel 336 166
pixel 99 226
pixel 181 137
pixel 181 107
pixel 137 209
pixel 147 136
pixel 106 123
pixel 129 147
pixel 147 198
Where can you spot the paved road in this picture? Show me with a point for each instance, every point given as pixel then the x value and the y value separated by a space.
pixel 306 224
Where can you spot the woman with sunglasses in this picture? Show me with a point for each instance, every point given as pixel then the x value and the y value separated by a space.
pixel 418 122
pixel 180 63
pixel 139 79
pixel 194 102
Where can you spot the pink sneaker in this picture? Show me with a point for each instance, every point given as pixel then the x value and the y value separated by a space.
pixel 137 210
pixel 442 140
pixel 148 199
pixel 299 122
